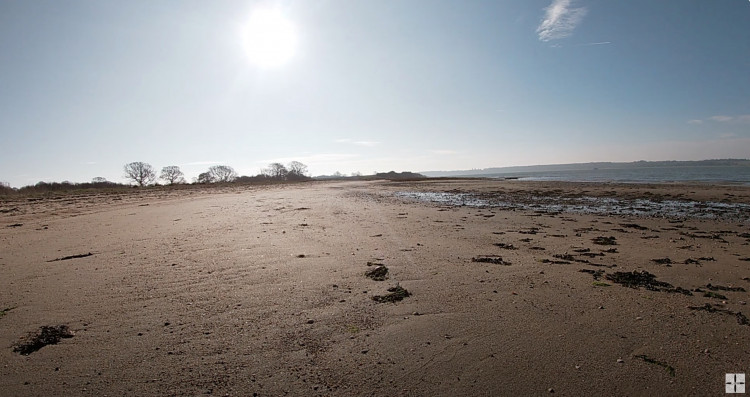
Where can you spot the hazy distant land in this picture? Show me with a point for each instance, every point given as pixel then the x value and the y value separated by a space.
pixel 591 166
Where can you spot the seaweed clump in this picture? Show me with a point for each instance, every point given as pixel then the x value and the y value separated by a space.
pixel 378 273
pixel 397 293
pixel 47 335
pixel 636 279
pixel 601 240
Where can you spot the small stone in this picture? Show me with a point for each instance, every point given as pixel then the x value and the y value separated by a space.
pixel 620 361
pixel 310 321
pixel 550 390
pixel 601 307
pixel 578 367
pixel 639 318
pixel 707 351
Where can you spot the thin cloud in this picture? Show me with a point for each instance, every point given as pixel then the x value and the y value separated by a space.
pixel 560 20
pixel 722 119
pixel 695 121
pixel 596 43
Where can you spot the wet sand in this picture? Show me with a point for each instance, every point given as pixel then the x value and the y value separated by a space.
pixel 262 291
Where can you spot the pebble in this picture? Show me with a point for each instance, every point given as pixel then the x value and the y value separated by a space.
pixel 639 318
pixel 551 390
pixel 620 361
pixel 310 321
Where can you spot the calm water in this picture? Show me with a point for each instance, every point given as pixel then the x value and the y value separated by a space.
pixel 720 174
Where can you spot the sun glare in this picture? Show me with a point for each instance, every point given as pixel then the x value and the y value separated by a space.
pixel 269 38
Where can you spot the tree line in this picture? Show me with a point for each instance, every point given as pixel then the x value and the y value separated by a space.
pixel 143 174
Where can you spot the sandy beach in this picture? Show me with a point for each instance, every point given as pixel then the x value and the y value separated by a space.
pixel 514 288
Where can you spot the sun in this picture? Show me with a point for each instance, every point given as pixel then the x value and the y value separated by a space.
pixel 269 38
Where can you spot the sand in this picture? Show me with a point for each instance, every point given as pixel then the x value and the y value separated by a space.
pixel 262 291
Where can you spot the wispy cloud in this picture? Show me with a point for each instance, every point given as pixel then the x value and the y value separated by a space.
pixel 358 143
pixel 560 19
pixel 739 119
pixel 596 43
pixel 722 119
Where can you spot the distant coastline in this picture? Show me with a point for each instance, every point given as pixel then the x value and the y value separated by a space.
pixel 590 166
pixel 722 170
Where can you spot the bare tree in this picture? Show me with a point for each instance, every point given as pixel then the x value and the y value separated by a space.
pixel 140 173
pixel 99 179
pixel 276 171
pixel 172 174
pixel 205 177
pixel 222 173
pixel 356 174
pixel 296 171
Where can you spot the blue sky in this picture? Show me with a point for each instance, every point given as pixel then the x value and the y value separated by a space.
pixel 88 86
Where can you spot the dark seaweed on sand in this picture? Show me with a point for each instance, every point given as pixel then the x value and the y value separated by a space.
pixel 601 240
pixel 741 318
pixel 378 273
pixel 397 293
pixel 669 368
pixel 65 258
pixel 496 260
pixel 636 279
pixel 597 274
pixel 723 288
pixel 47 335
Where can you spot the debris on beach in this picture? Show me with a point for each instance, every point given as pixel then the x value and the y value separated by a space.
pixel 636 279
pixel 397 293
pixel 601 240
pixel 378 273
pixel 662 261
pixel 491 259
pixel 65 258
pixel 47 335
pixel 505 246
pixel 709 294
pixel 5 311
pixel 597 274
pixel 633 226
pixel 669 368
pixel 723 288
pixel 741 318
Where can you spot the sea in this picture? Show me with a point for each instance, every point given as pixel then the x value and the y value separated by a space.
pixel 734 175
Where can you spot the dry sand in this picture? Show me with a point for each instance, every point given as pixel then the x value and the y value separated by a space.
pixel 261 291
